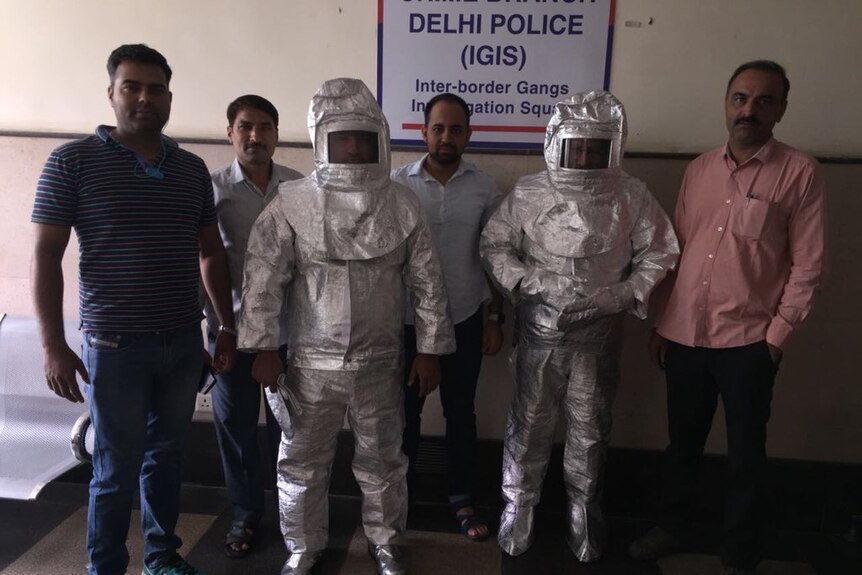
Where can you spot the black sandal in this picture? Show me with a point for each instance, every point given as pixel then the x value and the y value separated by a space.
pixel 468 521
pixel 239 541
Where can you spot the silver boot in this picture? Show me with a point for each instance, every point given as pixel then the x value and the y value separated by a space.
pixel 299 563
pixel 388 559
pixel 515 534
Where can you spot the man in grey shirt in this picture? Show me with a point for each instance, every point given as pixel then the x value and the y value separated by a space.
pixel 242 190
pixel 457 199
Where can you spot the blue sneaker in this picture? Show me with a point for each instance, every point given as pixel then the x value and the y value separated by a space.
pixel 176 566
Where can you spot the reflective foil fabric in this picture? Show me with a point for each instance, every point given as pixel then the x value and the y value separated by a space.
pixel 348 210
pixel 340 105
pixel 577 383
pixel 341 246
pixel 311 421
pixel 562 256
pixel 345 310
pixel 589 115
pixel 571 246
pixel 574 250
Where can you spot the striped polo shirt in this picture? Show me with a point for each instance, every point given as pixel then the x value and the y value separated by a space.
pixel 137 234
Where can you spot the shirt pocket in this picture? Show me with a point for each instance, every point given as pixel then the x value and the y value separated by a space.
pixel 754 219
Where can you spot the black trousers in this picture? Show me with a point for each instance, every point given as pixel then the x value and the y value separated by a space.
pixel 459 375
pixel 743 377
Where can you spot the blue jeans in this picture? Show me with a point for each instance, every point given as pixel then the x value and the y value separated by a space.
pixel 142 396
pixel 236 408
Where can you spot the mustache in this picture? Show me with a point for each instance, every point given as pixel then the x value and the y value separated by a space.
pixel 751 120
pixel 257 145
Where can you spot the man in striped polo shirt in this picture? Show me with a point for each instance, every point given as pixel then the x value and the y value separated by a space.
pixel 143 212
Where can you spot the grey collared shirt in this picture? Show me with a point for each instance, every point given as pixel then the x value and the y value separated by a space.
pixel 238 203
pixel 456 213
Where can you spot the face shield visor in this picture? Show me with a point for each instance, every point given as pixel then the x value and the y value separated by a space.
pixel 585 153
pixel 350 137
pixel 585 135
pixel 353 147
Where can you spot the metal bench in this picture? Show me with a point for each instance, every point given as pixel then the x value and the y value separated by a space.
pixel 35 424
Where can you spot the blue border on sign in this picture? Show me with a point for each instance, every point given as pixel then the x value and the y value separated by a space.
pixel 608 52
pixel 380 54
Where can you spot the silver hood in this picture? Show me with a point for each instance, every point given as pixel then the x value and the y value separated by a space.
pixel 348 211
pixel 585 115
pixel 347 104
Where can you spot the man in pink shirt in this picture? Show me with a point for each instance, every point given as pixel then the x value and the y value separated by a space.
pixel 749 218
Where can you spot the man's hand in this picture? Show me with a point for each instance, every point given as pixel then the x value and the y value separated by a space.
pixel 775 353
pixel 225 350
pixel 492 337
pixel 60 363
pixel 208 359
pixel 492 332
pixel 215 278
pixel 266 368
pixel 60 367
pixel 656 349
pixel 581 310
pixel 614 298
pixel 425 369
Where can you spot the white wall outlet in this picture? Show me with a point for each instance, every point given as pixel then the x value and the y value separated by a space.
pixel 204 403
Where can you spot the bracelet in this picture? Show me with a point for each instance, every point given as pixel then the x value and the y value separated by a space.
pixel 226 329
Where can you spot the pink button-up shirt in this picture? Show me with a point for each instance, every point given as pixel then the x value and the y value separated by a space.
pixel 752 240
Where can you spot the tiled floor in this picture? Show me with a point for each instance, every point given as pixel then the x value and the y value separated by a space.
pixel 47 536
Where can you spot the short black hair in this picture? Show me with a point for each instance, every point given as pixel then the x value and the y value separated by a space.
pixel 251 101
pixel 137 53
pixel 452 99
pixel 764 66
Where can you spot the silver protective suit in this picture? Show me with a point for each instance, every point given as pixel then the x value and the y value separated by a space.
pixel 574 250
pixel 341 245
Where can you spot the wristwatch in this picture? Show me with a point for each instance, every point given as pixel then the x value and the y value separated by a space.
pixel 226 329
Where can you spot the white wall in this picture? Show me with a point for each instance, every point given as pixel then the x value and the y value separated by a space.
pixel 53 55
pixel 670 74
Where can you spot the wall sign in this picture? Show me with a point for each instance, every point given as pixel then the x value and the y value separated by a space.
pixel 511 60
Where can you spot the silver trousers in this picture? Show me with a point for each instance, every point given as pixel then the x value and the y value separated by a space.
pixel 310 406
pixel 578 380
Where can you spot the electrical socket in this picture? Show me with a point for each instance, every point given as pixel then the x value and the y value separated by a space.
pixel 204 403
